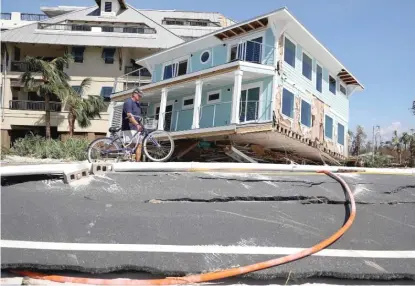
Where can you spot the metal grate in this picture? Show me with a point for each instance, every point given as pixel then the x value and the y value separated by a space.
pixel 116 120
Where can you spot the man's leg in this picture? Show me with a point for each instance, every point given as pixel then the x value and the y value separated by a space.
pixel 138 152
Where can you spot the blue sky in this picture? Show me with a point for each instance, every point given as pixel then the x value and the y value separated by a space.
pixel 375 40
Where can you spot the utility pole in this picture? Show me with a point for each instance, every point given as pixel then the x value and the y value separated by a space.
pixel 374 140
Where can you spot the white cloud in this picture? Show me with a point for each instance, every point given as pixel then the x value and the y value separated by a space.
pixel 387 132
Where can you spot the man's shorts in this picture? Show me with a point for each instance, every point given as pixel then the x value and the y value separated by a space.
pixel 129 136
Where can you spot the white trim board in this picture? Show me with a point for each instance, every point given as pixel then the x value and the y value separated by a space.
pixel 202 249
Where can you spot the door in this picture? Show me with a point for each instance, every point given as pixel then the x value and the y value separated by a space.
pixel 167 117
pixel 250 51
pixel 249 105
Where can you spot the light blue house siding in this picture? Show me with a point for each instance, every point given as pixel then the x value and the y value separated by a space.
pixel 338 103
pixel 219 56
pixel 218 113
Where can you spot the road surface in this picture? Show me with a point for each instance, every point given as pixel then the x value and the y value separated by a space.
pixel 177 223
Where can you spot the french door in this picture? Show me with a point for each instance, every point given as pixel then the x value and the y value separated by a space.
pixel 249 51
pixel 249 105
pixel 167 117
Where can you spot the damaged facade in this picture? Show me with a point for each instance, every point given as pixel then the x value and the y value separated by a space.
pixel 265 84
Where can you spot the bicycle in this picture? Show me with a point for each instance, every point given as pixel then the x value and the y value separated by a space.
pixel 157 145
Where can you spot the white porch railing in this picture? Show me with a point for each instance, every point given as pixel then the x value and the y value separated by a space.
pixel 132 79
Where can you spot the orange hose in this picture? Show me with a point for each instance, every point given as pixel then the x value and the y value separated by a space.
pixel 198 278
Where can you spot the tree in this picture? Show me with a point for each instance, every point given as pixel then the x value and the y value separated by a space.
pixel 350 140
pixel 82 109
pixel 358 141
pixel 395 144
pixel 405 139
pixel 413 107
pixel 53 80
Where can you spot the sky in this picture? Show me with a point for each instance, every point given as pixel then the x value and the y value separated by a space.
pixel 374 39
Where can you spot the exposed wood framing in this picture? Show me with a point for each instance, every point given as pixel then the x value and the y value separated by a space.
pixel 244 28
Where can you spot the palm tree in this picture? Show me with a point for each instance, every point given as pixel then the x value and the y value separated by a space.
pixel 405 139
pixel 395 144
pixel 53 80
pixel 82 109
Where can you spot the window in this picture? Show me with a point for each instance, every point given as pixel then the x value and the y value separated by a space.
pixel 328 127
pixel 307 66
pixel 190 22
pixel 133 30
pixel 79 27
pixel 340 134
pixel 77 89
pixel 343 89
pixel 108 55
pixel 78 54
pixel 108 6
pixel 107 29
pixel 188 102
pixel 234 53
pixel 319 82
pixel 106 92
pixel 213 96
pixel 289 53
pixel 305 113
pixel 332 84
pixel 175 69
pixel 250 51
pixel 204 57
pixel 288 103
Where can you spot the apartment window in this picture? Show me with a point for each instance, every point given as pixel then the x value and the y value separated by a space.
pixel 332 84
pixel 106 92
pixel 288 103
pixel 305 113
pixel 289 52
pixel 319 77
pixel 213 97
pixel 188 102
pixel 78 54
pixel 77 89
pixel 328 127
pixel 307 66
pixel 343 89
pixel 108 55
pixel 133 30
pixel 108 6
pixel 340 134
pixel 175 69
pixel 107 29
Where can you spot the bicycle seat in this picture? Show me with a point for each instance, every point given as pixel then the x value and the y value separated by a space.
pixel 114 129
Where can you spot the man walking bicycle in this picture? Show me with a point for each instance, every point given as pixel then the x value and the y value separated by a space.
pixel 131 116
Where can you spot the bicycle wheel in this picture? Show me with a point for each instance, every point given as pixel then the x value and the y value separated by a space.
pixel 103 150
pixel 158 146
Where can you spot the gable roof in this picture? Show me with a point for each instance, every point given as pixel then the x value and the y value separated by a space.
pixel 163 38
pixel 284 18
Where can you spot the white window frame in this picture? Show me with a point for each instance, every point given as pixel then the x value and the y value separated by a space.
pixel 282 98
pixel 170 102
pixel 219 91
pixel 328 82
pixel 302 62
pixel 186 107
pixel 332 131
pixel 295 54
pixel 322 77
pixel 209 59
pixel 260 107
pixel 345 88
pixel 344 134
pixel 311 115
pixel 176 61
pixel 245 38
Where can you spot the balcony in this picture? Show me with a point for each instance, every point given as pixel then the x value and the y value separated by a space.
pixel 92 27
pixel 6 16
pixel 34 105
pixel 33 17
pixel 133 78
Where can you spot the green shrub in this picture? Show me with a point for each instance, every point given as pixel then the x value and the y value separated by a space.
pixel 40 147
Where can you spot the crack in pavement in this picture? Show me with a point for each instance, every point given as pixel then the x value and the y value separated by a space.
pixel 305 200
pixel 400 189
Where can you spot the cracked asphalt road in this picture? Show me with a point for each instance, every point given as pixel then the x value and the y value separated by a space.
pixel 197 209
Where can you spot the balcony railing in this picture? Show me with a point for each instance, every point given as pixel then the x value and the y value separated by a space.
pixel 104 28
pixel 33 17
pixel 135 78
pixel 34 105
pixel 254 52
pixel 6 16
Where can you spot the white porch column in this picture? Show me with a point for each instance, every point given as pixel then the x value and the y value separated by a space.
pixel 196 105
pixel 236 97
pixel 162 114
